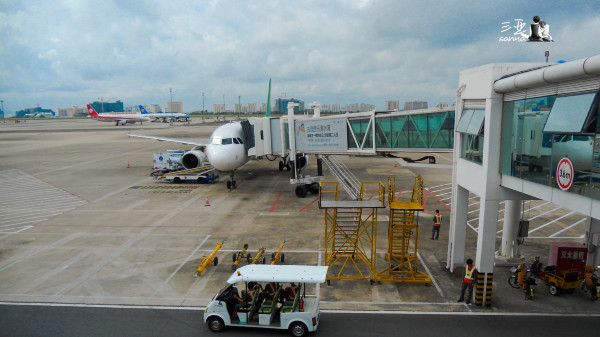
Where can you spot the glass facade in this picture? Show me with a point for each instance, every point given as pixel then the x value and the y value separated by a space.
pixel 418 131
pixel 538 132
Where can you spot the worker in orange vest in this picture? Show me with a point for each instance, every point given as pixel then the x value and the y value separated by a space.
pixel 437 222
pixel 468 282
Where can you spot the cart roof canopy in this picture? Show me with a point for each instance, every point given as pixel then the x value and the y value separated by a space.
pixel 279 273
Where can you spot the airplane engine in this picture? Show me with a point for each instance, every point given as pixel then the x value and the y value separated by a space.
pixel 193 159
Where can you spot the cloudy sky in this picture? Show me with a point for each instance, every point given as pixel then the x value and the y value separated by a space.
pixel 65 53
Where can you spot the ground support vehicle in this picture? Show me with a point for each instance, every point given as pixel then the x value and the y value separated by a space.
pixel 567 280
pixel 201 175
pixel 167 162
pixel 293 310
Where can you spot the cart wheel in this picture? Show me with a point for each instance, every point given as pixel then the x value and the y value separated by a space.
pixel 298 329
pixel 235 255
pixel 216 261
pixel 263 260
pixel 215 324
pixel 249 258
pixel 553 289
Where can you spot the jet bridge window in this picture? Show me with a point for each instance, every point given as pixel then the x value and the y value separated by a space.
pixel 470 126
pixel 471 122
pixel 571 114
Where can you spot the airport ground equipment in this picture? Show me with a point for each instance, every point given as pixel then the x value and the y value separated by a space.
pixel 279 255
pixel 167 162
pixel 351 230
pixel 201 175
pixel 208 260
pixel 403 237
pixel 259 258
pixel 300 316
pixel 566 267
pixel 238 256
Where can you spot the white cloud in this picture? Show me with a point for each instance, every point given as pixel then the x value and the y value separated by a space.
pixel 64 53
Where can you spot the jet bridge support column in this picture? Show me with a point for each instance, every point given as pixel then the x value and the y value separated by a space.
pixel 510 248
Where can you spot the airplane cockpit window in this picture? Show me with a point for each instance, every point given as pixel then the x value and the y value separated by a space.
pixel 240 140
pixel 235 141
pixel 227 141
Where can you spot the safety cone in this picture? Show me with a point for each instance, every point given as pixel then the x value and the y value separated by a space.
pixel 396 164
pixel 128 165
pixel 207 202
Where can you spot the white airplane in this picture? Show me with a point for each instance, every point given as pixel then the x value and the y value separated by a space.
pixel 166 116
pixel 117 118
pixel 225 150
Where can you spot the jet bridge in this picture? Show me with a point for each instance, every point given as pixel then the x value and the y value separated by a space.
pixel 367 133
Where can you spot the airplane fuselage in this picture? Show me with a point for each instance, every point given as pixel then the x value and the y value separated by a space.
pixel 226 150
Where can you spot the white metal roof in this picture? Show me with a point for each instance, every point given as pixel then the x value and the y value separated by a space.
pixel 279 273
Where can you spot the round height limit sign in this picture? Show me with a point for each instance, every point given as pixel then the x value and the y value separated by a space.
pixel 564 174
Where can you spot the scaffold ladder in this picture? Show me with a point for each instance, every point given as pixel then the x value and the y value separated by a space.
pixel 403 236
pixel 351 231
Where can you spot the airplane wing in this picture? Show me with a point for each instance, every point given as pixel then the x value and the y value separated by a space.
pixel 174 140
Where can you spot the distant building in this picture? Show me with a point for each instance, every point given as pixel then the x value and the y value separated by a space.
pixel 252 108
pixel 282 103
pixel 153 108
pixel 335 107
pixel 441 105
pixel 71 112
pixel 366 107
pixel 392 105
pixel 415 105
pixel 175 106
pixel 35 112
pixel 102 107
pixel 219 108
pixel 351 107
pixel 325 108
pixel 356 107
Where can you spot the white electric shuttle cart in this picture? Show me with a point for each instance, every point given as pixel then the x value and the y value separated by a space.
pixel 279 300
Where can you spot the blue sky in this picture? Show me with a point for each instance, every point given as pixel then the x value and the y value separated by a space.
pixel 65 53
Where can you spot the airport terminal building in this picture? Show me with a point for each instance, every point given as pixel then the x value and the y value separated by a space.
pixel 524 131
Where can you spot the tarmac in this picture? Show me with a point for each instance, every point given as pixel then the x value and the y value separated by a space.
pixel 82 222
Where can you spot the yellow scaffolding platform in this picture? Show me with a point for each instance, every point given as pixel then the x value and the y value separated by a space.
pixel 403 236
pixel 351 231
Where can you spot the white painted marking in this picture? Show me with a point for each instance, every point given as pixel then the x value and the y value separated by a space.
pixel 569 227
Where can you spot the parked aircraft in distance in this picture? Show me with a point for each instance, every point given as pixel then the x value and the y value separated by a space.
pixel 117 118
pixel 165 116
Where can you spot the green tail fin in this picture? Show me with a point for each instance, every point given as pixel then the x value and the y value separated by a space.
pixel 268 112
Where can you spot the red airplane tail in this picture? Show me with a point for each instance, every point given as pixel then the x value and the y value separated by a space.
pixel 92 112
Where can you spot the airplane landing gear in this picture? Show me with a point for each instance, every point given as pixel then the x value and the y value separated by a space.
pixel 231 184
pixel 283 163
